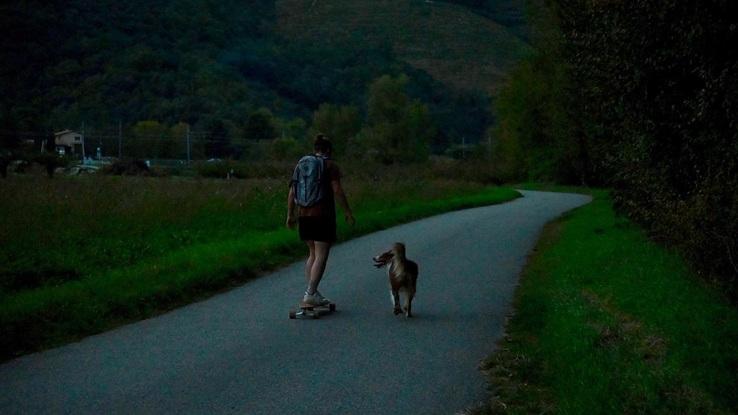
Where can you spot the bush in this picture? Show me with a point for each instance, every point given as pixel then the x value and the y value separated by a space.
pixel 51 162
pixel 5 157
pixel 287 149
pixel 128 168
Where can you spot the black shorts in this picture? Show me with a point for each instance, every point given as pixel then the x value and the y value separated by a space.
pixel 317 228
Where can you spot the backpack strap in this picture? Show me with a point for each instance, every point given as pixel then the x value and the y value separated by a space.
pixel 323 167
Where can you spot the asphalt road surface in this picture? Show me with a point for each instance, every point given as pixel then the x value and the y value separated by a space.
pixel 239 353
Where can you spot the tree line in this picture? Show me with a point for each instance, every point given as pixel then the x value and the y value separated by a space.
pixel 212 65
pixel 396 128
pixel 640 96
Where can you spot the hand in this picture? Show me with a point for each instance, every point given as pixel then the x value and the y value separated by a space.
pixel 291 222
pixel 350 218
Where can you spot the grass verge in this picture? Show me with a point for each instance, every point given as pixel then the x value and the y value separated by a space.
pixel 606 321
pixel 49 315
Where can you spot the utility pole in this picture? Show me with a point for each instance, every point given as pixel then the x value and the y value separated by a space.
pixel 120 139
pixel 188 144
pixel 489 147
pixel 463 147
pixel 83 142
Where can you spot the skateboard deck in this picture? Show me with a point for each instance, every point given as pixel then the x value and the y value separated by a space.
pixel 308 311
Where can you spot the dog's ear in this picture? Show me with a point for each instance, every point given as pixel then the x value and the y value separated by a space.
pixel 377 261
pixel 381 259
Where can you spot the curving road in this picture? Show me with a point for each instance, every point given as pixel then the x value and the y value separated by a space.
pixel 238 352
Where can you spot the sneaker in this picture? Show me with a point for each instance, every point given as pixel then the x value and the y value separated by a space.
pixel 311 299
pixel 321 300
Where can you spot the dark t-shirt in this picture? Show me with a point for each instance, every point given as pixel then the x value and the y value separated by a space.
pixel 326 206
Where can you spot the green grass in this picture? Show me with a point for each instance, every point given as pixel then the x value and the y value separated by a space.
pixel 608 322
pixel 112 249
pixel 552 187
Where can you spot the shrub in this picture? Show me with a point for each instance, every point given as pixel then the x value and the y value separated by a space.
pixel 51 162
pixel 128 168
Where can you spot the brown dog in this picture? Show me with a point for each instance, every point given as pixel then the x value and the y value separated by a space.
pixel 403 276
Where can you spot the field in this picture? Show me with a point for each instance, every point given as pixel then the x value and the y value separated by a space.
pixel 608 322
pixel 79 255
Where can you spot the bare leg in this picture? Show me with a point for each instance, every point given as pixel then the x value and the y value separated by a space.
pixel 322 249
pixel 310 261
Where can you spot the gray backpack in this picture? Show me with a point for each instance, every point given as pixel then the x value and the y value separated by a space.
pixel 308 180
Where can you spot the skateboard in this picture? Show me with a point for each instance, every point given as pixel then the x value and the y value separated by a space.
pixel 311 311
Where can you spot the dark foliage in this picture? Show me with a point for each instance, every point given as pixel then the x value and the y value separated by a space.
pixel 506 12
pixel 28 279
pixel 5 157
pixel 661 92
pixel 128 168
pixel 204 63
pixel 50 161
pixel 646 102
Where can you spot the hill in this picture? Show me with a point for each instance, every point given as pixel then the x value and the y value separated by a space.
pixel 452 43
pixel 212 65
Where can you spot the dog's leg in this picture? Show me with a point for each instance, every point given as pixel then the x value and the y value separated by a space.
pixel 396 301
pixel 409 303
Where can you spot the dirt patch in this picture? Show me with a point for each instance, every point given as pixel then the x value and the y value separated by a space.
pixel 624 330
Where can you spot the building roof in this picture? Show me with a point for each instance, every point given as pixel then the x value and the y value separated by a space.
pixel 65 132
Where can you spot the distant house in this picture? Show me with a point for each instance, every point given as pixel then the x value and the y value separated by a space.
pixel 69 142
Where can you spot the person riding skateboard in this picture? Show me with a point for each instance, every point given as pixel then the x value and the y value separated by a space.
pixel 314 189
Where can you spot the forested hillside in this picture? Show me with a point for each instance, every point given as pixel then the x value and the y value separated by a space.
pixel 66 62
pixel 510 13
pixel 460 48
pixel 242 71
pixel 640 96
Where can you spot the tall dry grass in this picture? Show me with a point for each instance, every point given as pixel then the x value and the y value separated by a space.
pixel 80 255
pixel 52 231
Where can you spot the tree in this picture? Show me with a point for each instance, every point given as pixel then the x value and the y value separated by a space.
pixel 286 148
pixel 153 139
pixel 295 128
pixel 178 132
pixel 260 125
pixel 641 97
pixel 338 123
pixel 217 140
pixel 387 99
pixel 4 161
pixel 398 129
pixel 420 131
pixel 8 138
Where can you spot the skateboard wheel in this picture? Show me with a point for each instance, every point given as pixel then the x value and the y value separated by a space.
pixel 292 315
pixel 332 307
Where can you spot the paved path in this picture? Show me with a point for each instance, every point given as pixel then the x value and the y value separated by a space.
pixel 238 352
